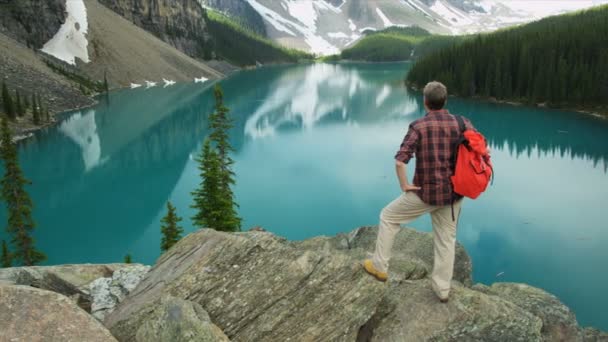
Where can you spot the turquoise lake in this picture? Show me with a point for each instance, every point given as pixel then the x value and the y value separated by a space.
pixel 314 155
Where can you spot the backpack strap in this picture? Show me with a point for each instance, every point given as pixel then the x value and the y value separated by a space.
pixel 461 124
pixel 462 127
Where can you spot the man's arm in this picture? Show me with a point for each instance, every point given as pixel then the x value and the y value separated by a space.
pixel 401 169
pixel 403 156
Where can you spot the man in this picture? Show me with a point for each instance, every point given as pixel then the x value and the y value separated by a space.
pixel 432 139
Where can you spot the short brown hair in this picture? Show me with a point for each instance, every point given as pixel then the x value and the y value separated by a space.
pixel 435 95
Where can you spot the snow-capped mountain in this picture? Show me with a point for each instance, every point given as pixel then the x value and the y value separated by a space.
pixel 326 26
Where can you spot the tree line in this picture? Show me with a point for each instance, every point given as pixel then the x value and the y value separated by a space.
pixel 561 61
pixel 242 46
pixel 396 44
pixel 19 105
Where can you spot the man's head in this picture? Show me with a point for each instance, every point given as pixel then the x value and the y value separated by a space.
pixel 435 95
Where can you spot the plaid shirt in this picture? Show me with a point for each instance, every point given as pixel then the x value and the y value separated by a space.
pixel 432 139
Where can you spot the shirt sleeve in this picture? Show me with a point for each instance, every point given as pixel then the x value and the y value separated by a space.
pixel 408 146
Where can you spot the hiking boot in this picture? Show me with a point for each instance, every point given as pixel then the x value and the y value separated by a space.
pixel 369 267
pixel 443 299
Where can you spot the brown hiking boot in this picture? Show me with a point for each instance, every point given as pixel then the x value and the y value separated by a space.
pixel 368 265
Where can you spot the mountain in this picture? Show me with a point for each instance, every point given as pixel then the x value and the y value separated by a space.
pixel 238 45
pixel 64 50
pixel 396 44
pixel 325 27
pixel 561 61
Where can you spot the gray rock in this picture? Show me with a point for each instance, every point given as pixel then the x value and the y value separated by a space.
pixel 593 335
pixel 411 312
pixel 107 292
pixel 30 314
pixel 177 320
pixel 559 323
pixel 257 287
pixel 69 280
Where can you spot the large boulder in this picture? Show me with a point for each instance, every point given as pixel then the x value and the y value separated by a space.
pixel 72 281
pixel 257 287
pixel 559 323
pixel 30 314
pixel 411 312
pixel 178 320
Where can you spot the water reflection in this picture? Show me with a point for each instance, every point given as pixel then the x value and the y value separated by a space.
pixel 304 96
pixel 83 131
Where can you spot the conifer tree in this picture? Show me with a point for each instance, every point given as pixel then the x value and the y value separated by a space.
pixel 5 257
pixel 19 205
pixel 171 232
pixel 7 102
pixel 214 200
pixel 128 259
pixel 35 110
pixel 26 103
pixel 207 197
pixel 106 87
pixel 220 124
pixel 19 109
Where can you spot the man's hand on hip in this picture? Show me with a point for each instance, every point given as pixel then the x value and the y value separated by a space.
pixel 410 187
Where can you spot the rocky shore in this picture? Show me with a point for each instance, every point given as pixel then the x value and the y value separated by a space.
pixel 256 286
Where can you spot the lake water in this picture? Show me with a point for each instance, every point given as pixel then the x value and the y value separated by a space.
pixel 314 155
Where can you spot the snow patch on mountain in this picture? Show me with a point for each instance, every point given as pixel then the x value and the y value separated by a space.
pixel 70 42
pixel 450 13
pixel 385 20
pixel 305 14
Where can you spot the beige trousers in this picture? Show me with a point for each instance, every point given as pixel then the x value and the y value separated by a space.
pixel 407 208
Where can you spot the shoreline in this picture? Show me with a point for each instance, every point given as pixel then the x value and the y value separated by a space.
pixel 541 105
pixel 27 133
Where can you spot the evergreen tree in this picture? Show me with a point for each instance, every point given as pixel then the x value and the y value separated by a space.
pixel 171 232
pixel 128 259
pixel 106 86
pixel 18 203
pixel 5 257
pixel 19 108
pixel 7 102
pixel 560 60
pixel 35 110
pixel 26 103
pixel 214 199
pixel 207 198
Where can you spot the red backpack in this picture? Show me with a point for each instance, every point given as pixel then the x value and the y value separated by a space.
pixel 473 169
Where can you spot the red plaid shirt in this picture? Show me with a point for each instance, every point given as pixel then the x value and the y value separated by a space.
pixel 432 138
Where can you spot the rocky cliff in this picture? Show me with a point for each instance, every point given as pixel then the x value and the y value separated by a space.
pixel 241 11
pixel 178 22
pixel 255 286
pixel 32 23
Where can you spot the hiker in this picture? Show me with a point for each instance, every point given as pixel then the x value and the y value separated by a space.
pixel 433 139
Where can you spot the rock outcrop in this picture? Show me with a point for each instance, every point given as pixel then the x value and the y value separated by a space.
pixel 255 286
pixel 559 323
pixel 107 292
pixel 76 281
pixel 178 22
pixel 259 287
pixel 30 314
pixel 241 11
pixel 32 23
pixel 177 320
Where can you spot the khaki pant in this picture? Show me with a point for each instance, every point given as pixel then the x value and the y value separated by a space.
pixel 407 208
